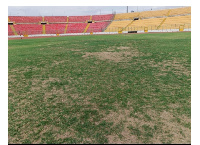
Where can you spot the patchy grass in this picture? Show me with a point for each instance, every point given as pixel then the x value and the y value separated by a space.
pixel 100 89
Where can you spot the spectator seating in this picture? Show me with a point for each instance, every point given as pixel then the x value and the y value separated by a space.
pixel 139 25
pixel 115 25
pixel 151 14
pixel 152 23
pixel 154 20
pixel 55 28
pixel 102 17
pixel 55 19
pixel 97 27
pixel 25 19
pixel 10 32
pixel 28 28
pixel 78 18
pixel 175 22
pixel 76 27
pixel 126 16
pixel 180 11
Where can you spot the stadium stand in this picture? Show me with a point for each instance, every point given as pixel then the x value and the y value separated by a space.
pixel 116 25
pixel 154 20
pixel 25 19
pixel 97 27
pixel 180 11
pixel 102 17
pixel 10 32
pixel 151 14
pixel 152 24
pixel 126 16
pixel 78 18
pixel 28 28
pixel 55 28
pixel 55 19
pixel 175 22
pixel 140 24
pixel 76 27
pixel 136 21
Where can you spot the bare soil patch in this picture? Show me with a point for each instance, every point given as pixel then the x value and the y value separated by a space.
pixel 169 130
pixel 112 56
pixel 179 133
pixel 123 48
pixel 170 65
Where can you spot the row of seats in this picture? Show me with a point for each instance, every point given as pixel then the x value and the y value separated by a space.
pixel 152 23
pixel 122 16
pixel 180 11
pixel 55 18
pixel 25 19
pixel 10 32
pixel 57 28
pixel 76 27
pixel 28 28
pixel 150 14
pixel 78 18
pixel 175 17
pixel 115 25
pixel 51 19
pixel 97 27
pixel 102 17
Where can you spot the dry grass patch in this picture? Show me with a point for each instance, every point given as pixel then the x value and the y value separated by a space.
pixel 180 134
pixel 123 48
pixel 168 131
pixel 170 65
pixel 76 49
pixel 113 56
pixel 124 55
pixel 66 134
pixel 122 117
pixel 57 62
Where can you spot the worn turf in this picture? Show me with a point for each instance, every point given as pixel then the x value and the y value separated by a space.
pixel 100 89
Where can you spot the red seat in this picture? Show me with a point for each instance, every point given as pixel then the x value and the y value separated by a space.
pixel 25 19
pixel 55 28
pixel 55 18
pixel 28 28
pixel 97 27
pixel 78 18
pixel 10 32
pixel 102 17
pixel 76 27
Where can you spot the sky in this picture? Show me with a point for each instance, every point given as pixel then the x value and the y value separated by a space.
pixel 77 10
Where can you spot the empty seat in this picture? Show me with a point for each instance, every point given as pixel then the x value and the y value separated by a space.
pixel 102 17
pixel 78 18
pixel 97 27
pixel 116 25
pixel 28 29
pixel 55 18
pixel 25 19
pixel 55 28
pixel 76 27
pixel 10 32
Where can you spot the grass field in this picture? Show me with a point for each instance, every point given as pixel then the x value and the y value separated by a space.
pixel 100 89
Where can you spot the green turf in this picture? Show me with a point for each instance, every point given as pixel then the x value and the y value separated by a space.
pixel 100 89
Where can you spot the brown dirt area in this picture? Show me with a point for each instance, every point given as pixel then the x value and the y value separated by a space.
pixel 168 127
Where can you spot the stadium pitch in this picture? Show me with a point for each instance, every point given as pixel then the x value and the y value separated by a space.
pixel 100 89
